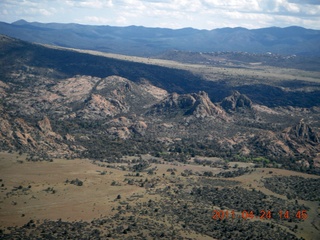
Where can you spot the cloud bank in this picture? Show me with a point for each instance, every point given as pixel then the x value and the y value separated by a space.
pixel 201 14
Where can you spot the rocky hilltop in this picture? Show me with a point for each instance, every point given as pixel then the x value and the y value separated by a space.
pixel 198 105
pixel 303 132
pixel 236 102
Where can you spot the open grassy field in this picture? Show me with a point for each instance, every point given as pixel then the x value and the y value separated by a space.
pixel 95 198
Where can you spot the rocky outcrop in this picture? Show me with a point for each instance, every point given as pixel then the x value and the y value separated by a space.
pixel 203 107
pixel 139 127
pixel 76 88
pixel 45 125
pixel 128 93
pixel 5 128
pixel 17 134
pixel 119 132
pixel 236 102
pixel 301 138
pixel 303 132
pixel 198 105
pixel 99 107
pixel 119 122
pixel 174 102
pixel 3 88
pixel 125 128
pixel 270 144
pixel 156 92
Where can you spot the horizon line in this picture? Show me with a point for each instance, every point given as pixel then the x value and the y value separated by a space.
pixel 105 25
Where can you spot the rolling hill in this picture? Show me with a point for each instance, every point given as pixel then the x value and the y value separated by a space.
pixel 142 41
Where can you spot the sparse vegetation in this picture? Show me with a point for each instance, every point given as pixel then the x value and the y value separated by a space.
pixel 161 144
pixel 184 200
pixel 295 187
pixel 235 173
pixel 76 182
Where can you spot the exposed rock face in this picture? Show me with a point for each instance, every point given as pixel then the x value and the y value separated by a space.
pixel 46 129
pixel 75 89
pixel 3 87
pixel 119 122
pixel 102 109
pixel 45 125
pixel 22 134
pixel 99 107
pixel 301 138
pixel 157 92
pixel 81 96
pixel 304 132
pixel 270 143
pixel 139 127
pixel 5 128
pixel 69 137
pixel 120 132
pixel 203 107
pixel 17 134
pixel 236 101
pixel 197 104
pixel 175 102
pixel 124 128
pixel 129 94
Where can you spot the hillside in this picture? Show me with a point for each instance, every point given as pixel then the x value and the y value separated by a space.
pixel 142 41
pixel 59 102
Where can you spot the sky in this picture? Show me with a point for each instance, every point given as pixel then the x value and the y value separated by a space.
pixel 200 14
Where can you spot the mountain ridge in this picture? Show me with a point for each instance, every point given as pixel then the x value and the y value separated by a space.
pixel 144 41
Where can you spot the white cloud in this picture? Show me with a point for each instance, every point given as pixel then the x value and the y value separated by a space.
pixel 95 20
pixel 121 20
pixel 90 3
pixel 202 14
pixel 5 12
pixel 44 12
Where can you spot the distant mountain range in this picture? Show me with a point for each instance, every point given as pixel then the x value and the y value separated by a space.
pixel 143 41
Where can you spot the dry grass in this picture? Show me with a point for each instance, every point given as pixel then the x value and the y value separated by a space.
pixel 307 228
pixel 212 73
pixel 92 200
pixel 96 198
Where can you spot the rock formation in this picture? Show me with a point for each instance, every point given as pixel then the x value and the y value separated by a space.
pixel 198 105
pixel 236 101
